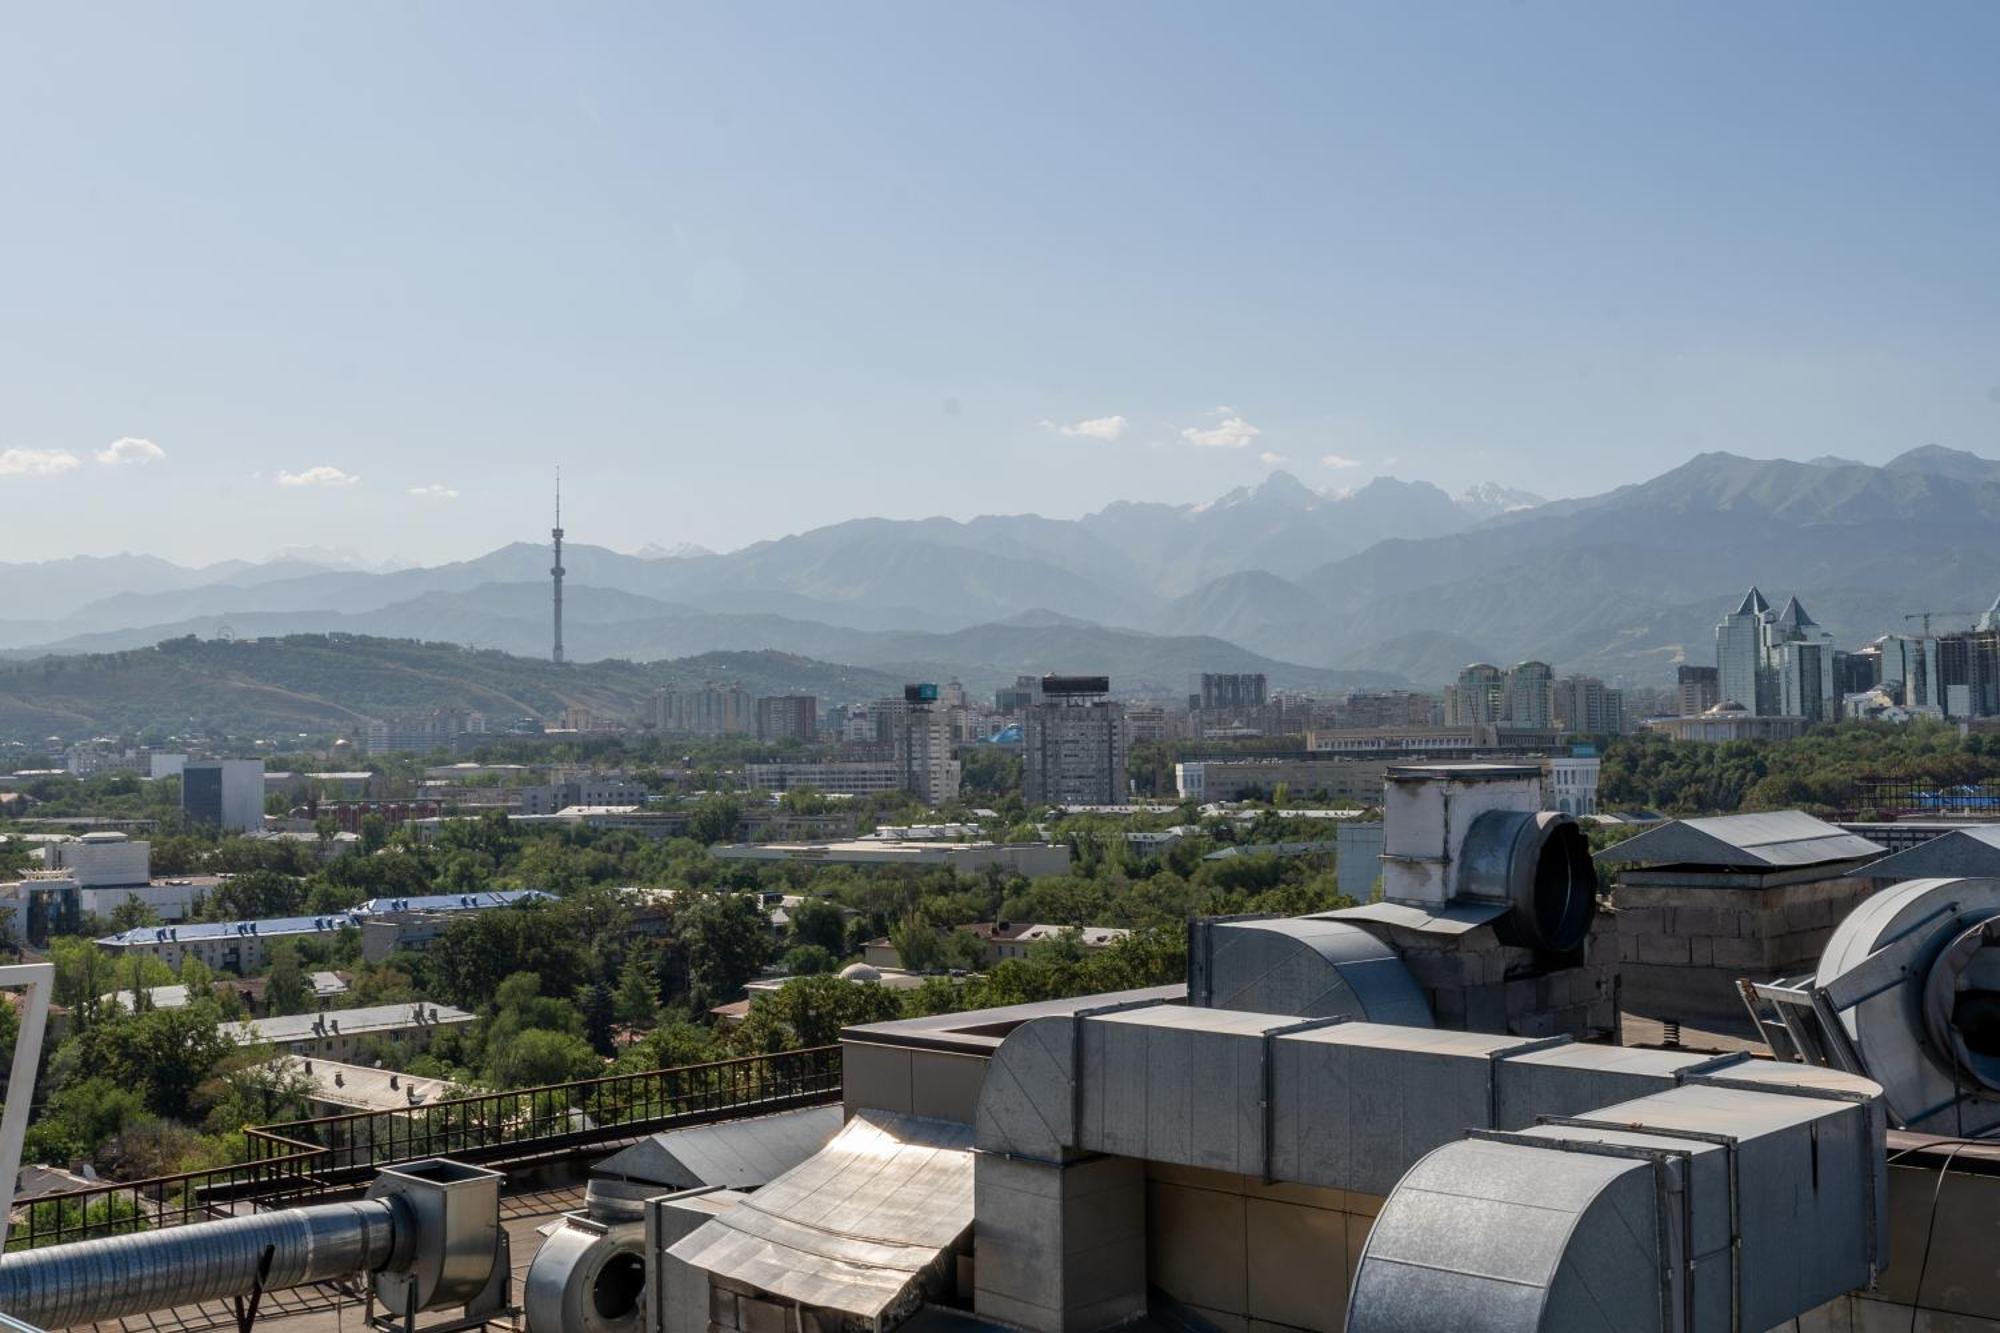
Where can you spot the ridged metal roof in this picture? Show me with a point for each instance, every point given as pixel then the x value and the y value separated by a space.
pixel 1775 840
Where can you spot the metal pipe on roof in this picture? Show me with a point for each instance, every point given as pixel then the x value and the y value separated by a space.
pixel 111 1277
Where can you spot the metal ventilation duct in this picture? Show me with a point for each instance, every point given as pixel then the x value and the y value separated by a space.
pixel 432 1227
pixel 92 1281
pixel 1308 967
pixel 1721 1205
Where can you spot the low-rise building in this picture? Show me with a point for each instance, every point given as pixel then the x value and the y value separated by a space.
pixel 1730 721
pixel 335 1034
pixel 334 1087
pixel 1569 782
pixel 1013 939
pixel 834 778
pixel 1032 859
pixel 1240 779
pixel 226 946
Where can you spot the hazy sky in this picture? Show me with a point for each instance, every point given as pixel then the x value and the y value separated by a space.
pixel 361 274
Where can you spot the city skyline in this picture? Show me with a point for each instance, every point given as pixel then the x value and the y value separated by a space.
pixel 340 278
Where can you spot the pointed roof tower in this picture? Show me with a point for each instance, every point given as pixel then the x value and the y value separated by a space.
pixel 1794 616
pixel 1753 603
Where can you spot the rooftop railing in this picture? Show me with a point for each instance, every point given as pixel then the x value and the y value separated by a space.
pixel 297 1161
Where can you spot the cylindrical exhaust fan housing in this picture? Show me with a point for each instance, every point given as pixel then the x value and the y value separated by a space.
pixel 1538 862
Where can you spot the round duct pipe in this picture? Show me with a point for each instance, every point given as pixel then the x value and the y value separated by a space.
pixel 428 1232
pixel 91 1281
pixel 1538 862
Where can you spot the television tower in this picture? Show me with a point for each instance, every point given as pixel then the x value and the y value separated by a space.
pixel 556 571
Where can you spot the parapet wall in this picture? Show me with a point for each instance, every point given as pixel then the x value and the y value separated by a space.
pixel 1684 939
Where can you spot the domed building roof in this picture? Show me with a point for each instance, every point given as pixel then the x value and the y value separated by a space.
pixel 859 972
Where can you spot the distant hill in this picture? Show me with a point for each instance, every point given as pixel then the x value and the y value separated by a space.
pixel 321 683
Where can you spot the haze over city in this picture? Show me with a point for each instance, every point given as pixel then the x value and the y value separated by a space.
pixel 359 276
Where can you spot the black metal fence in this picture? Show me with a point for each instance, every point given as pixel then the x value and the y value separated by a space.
pixel 292 1163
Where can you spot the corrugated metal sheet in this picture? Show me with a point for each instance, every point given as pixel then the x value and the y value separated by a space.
pixel 741 1154
pixel 1971 851
pixel 853 1226
pixel 1775 840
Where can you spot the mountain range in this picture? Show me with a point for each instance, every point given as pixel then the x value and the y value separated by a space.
pixel 1393 581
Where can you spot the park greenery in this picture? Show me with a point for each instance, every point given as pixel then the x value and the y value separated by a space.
pixel 602 979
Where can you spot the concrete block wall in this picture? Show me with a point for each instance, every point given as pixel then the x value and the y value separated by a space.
pixel 1247 1255
pixel 1682 946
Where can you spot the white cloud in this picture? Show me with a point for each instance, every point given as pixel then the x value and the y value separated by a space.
pixel 1269 459
pixel 35 462
pixel 1340 461
pixel 1231 433
pixel 1098 428
pixel 131 449
pixel 318 476
pixel 434 492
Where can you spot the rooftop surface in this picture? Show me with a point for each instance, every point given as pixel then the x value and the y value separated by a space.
pixel 346 1022
pixel 1777 840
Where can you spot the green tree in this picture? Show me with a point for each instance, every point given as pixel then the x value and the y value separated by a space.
pixel 726 939
pixel 167 1052
pixel 811 1011
pixel 599 1007
pixel 808 960
pixel 539 1056
pixel 715 819
pixel 286 990
pixel 820 921
pixel 638 1002
pixel 79 1118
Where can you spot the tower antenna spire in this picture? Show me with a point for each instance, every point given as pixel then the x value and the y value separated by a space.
pixel 556 570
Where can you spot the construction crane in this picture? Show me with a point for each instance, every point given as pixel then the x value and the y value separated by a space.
pixel 1925 616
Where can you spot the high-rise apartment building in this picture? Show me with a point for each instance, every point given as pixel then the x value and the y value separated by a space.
pixel 704 710
pixel 1742 671
pixel 1388 708
pixel 1521 698
pixel 921 732
pixel 788 717
pixel 1075 744
pixel 1801 655
pixel 1776 663
pixel 1698 689
pixel 1528 701
pixel 1023 694
pixel 1228 692
pixel 1477 698
pixel 224 794
pixel 1586 706
pixel 421 733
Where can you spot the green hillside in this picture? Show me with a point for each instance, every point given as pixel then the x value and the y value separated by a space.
pixel 330 683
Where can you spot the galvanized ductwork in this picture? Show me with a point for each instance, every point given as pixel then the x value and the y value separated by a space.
pixel 1308 967
pixel 429 1233
pixel 92 1281
pixel 1720 1205
pixel 1665 1174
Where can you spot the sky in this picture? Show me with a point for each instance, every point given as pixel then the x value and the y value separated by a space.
pixel 361 275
